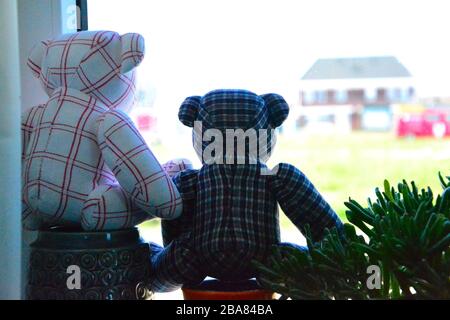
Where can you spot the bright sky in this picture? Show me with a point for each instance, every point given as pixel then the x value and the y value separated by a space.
pixel 267 45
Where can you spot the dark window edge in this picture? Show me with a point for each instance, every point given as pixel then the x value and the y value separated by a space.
pixel 83 12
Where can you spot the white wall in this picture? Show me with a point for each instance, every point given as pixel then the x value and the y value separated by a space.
pixel 10 235
pixel 38 20
pixel 31 28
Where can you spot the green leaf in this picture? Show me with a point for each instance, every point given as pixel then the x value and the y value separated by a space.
pixel 440 246
pixel 387 190
pixel 445 202
pixel 444 184
pixel 395 287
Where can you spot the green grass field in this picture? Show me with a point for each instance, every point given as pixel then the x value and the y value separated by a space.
pixel 343 166
pixel 352 165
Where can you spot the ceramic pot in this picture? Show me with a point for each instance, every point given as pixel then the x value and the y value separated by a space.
pixel 218 290
pixel 111 266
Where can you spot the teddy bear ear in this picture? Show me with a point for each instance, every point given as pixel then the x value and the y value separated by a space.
pixel 133 51
pixel 277 107
pixel 189 111
pixel 36 57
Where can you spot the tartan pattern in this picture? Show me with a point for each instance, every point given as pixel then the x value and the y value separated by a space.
pixel 235 109
pixel 92 62
pixel 186 182
pixel 278 108
pixel 189 110
pixel 230 211
pixel 174 265
pixel 302 203
pixel 109 206
pixel 173 167
pixel 84 162
pixel 30 218
pixel 230 218
pixel 135 167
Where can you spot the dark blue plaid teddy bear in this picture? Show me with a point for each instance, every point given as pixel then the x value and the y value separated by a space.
pixel 230 214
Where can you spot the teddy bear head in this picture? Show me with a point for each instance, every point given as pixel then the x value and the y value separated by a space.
pixel 97 63
pixel 242 122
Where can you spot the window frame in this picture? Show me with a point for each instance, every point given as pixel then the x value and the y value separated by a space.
pixel 83 12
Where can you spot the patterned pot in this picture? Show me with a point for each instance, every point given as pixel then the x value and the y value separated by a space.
pixel 218 290
pixel 109 266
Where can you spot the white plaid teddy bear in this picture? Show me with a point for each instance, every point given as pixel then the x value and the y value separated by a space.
pixel 84 162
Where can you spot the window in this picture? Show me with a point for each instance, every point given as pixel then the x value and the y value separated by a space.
pixel 405 95
pixel 327 118
pixel 308 97
pixel 381 95
pixel 341 96
pixel 196 46
pixel 377 118
pixel 320 97
pixel 395 94
pixel 356 95
pixel 370 94
pixel 331 96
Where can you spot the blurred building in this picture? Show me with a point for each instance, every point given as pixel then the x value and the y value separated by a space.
pixel 435 102
pixel 354 93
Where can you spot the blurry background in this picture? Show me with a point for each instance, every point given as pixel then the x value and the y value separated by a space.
pixel 367 82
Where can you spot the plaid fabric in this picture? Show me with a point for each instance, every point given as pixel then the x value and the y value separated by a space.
pixel 109 207
pixel 230 211
pixel 30 218
pixel 235 109
pixel 135 167
pixel 231 217
pixel 175 166
pixel 186 182
pixel 97 63
pixel 302 203
pixel 84 162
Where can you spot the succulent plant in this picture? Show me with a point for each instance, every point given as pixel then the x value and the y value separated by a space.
pixel 404 231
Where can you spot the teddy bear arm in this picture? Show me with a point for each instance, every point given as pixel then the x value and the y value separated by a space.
pixel 108 208
pixel 186 182
pixel 136 168
pixel 302 203
pixel 175 166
